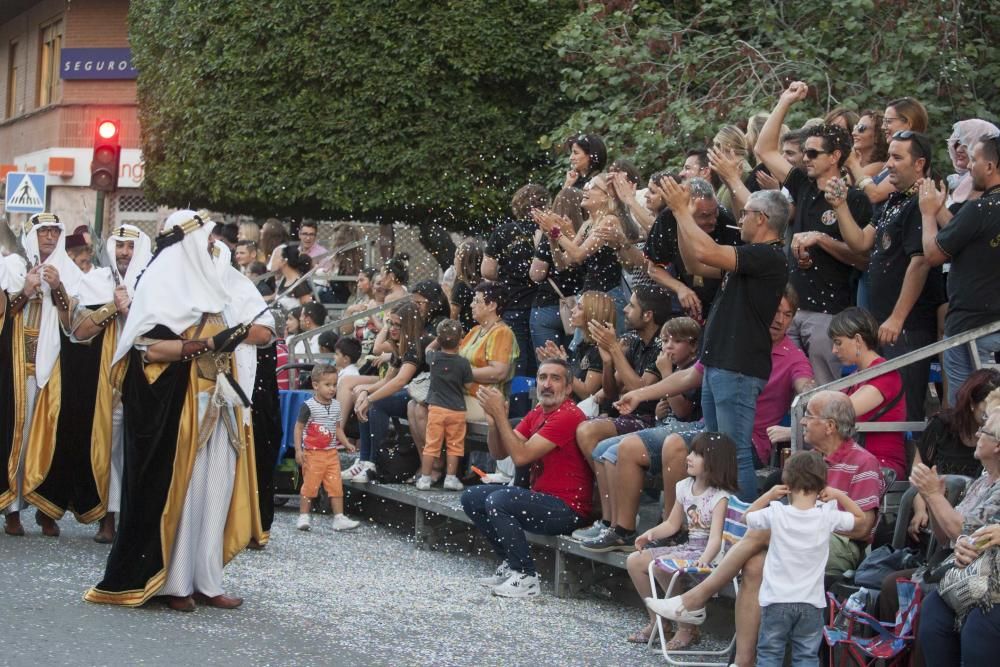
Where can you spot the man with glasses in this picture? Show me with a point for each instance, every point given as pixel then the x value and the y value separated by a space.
pixel 308 231
pixel 692 295
pixel 828 426
pixel 736 352
pixel 820 261
pixel 907 291
pixel 971 242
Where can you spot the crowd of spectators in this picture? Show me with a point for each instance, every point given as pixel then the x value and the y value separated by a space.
pixel 669 323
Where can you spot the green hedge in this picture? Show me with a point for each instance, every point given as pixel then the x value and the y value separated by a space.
pixel 408 110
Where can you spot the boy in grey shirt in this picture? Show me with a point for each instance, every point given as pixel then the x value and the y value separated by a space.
pixel 450 374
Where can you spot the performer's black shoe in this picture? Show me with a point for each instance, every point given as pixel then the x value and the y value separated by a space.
pixel 220 601
pixel 12 525
pixel 49 527
pixel 180 604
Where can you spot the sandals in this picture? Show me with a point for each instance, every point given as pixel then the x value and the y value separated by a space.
pixel 640 636
pixel 679 642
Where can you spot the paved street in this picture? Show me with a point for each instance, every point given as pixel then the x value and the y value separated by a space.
pixel 368 597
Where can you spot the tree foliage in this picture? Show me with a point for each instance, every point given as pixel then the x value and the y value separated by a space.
pixel 658 77
pixel 403 110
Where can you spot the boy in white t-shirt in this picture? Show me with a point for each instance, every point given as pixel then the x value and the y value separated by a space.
pixel 791 594
pixel 346 352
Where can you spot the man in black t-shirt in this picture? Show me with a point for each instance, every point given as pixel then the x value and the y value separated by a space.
pixel 820 262
pixel 737 344
pixel 971 242
pixel 907 291
pixel 692 294
pixel 507 260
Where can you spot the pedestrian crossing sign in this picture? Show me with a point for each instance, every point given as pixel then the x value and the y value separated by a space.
pixel 25 192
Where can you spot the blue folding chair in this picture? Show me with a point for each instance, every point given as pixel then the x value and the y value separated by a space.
pixel 891 642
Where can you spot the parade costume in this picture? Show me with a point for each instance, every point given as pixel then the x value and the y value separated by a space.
pixel 13 399
pixel 188 493
pixel 34 349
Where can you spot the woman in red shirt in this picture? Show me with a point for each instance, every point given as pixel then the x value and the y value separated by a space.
pixel 854 333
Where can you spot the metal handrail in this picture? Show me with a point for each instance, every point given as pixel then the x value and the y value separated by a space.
pixel 335 325
pixel 967 338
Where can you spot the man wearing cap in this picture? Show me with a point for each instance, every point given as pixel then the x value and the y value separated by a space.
pixel 188 506
pixel 31 347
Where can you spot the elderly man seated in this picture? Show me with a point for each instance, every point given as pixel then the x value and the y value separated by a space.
pixel 562 483
pixel 829 427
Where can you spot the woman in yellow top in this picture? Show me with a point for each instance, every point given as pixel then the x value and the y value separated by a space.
pixel 490 347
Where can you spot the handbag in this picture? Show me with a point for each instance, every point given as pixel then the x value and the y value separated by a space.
pixel 977 585
pixel 566 305
pixel 860 437
pixel 419 387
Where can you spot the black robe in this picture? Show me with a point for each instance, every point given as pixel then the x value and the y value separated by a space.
pixel 7 402
pixel 152 415
pixel 69 478
pixel 267 430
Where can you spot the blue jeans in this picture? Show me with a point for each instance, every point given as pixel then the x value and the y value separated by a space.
pixel 958 363
pixel 729 403
pixel 504 513
pixel 374 430
pixel 545 325
pixel 790 622
pixel 652 438
pixel 975 644
pixel 517 320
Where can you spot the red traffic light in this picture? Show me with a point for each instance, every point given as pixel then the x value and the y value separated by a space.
pixel 107 129
pixel 107 154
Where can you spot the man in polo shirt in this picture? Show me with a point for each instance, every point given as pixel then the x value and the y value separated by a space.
pixel 308 231
pixel 906 292
pixel 790 375
pixel 737 348
pixel 971 242
pixel 820 261
pixel 562 484
pixel 829 427
pixel 691 294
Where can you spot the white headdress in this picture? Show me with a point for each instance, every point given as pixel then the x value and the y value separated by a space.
pixel 179 285
pixel 141 254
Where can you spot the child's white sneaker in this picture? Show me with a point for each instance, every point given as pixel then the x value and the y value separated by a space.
pixel 424 482
pixel 367 473
pixel 518 585
pixel 303 522
pixel 341 522
pixel 452 483
pixel 353 471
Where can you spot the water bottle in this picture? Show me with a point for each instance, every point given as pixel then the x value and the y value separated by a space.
pixel 851 606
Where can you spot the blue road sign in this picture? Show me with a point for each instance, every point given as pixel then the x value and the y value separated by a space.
pixel 25 192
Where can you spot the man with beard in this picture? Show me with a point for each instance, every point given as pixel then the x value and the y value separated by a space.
pixel 188 495
pixel 31 351
pixel 562 483
pixel 99 327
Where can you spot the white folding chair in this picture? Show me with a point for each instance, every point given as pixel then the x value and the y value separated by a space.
pixel 733 531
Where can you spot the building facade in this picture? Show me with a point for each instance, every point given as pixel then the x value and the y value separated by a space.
pixel 64 64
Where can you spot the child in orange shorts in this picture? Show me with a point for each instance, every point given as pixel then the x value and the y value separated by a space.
pixel 450 374
pixel 317 432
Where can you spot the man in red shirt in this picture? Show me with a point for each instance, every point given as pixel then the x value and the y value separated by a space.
pixel 828 426
pixel 562 483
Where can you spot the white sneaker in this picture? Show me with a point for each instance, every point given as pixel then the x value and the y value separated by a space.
pixel 303 522
pixel 341 522
pixel 452 483
pixel 367 473
pixel 424 482
pixel 518 585
pixel 351 472
pixel 501 575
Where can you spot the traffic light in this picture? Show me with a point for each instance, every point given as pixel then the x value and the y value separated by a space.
pixel 107 151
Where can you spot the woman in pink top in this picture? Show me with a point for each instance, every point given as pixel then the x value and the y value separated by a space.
pixel 854 333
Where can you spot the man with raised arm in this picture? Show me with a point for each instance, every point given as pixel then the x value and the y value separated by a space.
pixel 820 261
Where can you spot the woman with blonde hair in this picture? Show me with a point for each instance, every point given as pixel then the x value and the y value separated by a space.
pixel 587 366
pixel 731 139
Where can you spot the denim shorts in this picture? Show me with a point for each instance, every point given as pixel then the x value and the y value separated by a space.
pixel 652 438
